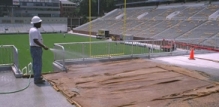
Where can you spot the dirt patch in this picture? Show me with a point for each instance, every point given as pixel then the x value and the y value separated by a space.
pixel 133 83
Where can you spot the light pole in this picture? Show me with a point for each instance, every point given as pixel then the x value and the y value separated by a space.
pixel 98 8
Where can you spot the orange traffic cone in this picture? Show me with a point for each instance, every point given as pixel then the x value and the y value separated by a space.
pixel 192 54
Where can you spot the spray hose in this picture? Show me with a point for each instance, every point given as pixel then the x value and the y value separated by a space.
pixel 10 92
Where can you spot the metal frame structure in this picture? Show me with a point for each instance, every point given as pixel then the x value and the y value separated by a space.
pixel 135 48
pixel 13 63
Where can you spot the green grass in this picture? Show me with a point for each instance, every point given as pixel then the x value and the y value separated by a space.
pixel 21 41
pixel 102 49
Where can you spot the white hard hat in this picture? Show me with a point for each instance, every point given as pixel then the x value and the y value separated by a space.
pixel 35 19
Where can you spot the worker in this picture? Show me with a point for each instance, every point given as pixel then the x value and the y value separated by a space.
pixel 36 45
pixel 64 35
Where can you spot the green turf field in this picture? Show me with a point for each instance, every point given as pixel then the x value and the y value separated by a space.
pixel 101 49
pixel 21 41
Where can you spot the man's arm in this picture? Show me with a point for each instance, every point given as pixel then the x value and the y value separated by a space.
pixel 40 44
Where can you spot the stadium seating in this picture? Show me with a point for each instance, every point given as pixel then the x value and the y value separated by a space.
pixel 202 33
pixel 191 21
pixel 8 28
pixel 179 29
pixel 47 28
pixel 188 12
pixel 24 28
pixel 205 30
pixel 142 26
pixel 114 14
pixel 132 13
pixel 163 13
pixel 19 28
pixel 157 28
pixel 133 27
pixel 214 41
pixel 59 27
pixel 2 29
pixel 153 13
pixel 207 11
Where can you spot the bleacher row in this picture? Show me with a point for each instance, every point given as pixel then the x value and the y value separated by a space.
pixel 165 22
pixel 24 28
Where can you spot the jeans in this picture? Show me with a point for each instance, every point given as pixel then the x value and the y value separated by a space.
pixel 36 54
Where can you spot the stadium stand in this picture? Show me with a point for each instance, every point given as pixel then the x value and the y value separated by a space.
pixel 18 15
pixel 163 22
pixel 179 29
pixel 153 13
pixel 145 24
pixel 24 28
pixel 158 28
pixel 104 24
pixel 133 26
pixel 9 28
pixel 214 41
pixel 132 13
pixel 114 14
pixel 2 29
pixel 59 27
pixel 164 12
pixel 205 30
pixel 206 12
pixel 47 26
pixel 188 12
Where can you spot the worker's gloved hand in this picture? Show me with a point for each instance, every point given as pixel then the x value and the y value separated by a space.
pixel 46 48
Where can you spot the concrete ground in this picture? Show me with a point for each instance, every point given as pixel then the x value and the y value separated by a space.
pixel 46 96
pixel 201 63
pixel 34 96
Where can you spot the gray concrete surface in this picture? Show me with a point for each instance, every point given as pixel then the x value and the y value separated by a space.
pixel 34 96
pixel 208 67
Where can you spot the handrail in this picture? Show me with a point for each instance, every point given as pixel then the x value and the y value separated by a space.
pixel 133 48
pixel 15 54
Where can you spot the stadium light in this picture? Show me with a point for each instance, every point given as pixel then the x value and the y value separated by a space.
pixel 98 8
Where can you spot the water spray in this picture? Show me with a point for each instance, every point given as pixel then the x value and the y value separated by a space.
pixel 60 52
pixel 51 49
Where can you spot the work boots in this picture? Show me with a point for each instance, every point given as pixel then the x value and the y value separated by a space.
pixel 39 81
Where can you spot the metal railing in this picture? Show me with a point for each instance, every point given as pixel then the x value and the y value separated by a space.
pixel 103 49
pixel 210 44
pixel 9 59
pixel 9 56
pixel 27 70
pixel 83 51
